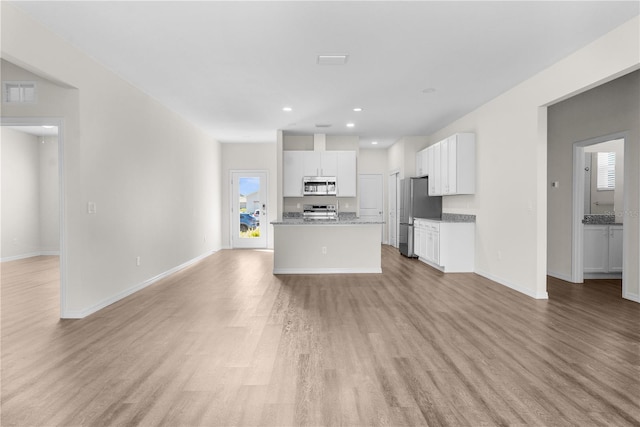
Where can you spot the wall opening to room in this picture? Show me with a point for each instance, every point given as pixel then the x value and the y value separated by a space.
pixel 599 200
pixel 32 201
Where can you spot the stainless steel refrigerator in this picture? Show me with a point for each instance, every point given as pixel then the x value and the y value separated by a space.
pixel 415 202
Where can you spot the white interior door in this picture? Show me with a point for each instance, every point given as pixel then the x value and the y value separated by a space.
pixel 393 209
pixel 248 209
pixel 371 196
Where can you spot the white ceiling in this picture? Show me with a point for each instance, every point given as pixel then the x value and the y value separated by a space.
pixel 230 67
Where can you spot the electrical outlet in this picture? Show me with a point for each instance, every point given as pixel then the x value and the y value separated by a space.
pixel 138 261
pixel 499 255
pixel 324 250
pixel 91 207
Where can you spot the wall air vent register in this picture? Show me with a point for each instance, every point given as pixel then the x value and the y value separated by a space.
pixel 22 92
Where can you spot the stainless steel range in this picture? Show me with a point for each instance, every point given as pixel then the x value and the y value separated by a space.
pixel 320 212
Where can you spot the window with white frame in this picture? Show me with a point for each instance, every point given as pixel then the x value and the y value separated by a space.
pixel 607 171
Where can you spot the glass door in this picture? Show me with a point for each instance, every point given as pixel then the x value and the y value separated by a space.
pixel 249 209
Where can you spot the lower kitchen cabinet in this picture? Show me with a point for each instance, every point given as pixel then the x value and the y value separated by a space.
pixel 602 248
pixel 447 246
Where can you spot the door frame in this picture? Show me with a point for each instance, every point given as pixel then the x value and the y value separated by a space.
pixel 59 123
pixel 577 247
pixel 262 215
pixel 394 174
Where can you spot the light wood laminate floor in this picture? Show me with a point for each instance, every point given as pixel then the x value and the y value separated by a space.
pixel 227 343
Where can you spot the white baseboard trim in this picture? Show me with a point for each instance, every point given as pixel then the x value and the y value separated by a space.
pixel 631 297
pixel 79 314
pixel 29 255
pixel 561 276
pixel 327 270
pixel 602 275
pixel 528 292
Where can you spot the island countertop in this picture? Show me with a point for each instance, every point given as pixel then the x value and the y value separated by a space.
pixel 340 221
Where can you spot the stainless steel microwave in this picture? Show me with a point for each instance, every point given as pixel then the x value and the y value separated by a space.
pixel 319 186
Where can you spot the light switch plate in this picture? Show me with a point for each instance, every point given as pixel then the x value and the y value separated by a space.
pixel 91 207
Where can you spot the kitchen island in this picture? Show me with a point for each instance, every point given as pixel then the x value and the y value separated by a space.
pixel 344 245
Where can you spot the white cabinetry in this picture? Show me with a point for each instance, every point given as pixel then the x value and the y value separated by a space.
pixel 298 164
pixel 448 246
pixel 615 248
pixel 346 176
pixel 320 163
pixel 293 172
pixel 422 163
pixel 451 165
pixel 602 248
pixel 433 167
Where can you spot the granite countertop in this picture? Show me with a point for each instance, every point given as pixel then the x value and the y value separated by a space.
pixel 600 219
pixel 451 217
pixel 340 221
pixel 346 218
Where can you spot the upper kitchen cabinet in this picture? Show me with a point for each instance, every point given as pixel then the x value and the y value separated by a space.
pixel 320 163
pixel 454 166
pixel 293 173
pixel 422 163
pixel 346 176
pixel 298 164
pixel 433 169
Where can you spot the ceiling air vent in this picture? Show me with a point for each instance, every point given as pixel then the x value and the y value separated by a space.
pixel 19 92
pixel 323 125
pixel 332 59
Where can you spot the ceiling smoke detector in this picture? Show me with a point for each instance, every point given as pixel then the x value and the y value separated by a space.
pixel 332 59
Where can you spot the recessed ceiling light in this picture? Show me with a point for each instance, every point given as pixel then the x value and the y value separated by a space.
pixel 332 59
pixel 428 90
pixel 350 125
pixel 357 109
pixel 47 127
pixel 287 109
pixel 374 142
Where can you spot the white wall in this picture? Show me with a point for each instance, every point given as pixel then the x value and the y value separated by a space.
pixel 249 157
pixel 155 178
pixel 511 136
pixel 20 195
pixel 605 110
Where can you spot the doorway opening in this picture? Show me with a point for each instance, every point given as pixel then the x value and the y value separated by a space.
pixel 248 203
pixel 33 195
pixel 599 203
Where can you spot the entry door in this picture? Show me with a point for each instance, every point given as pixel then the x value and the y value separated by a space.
pixel 393 209
pixel 371 196
pixel 249 209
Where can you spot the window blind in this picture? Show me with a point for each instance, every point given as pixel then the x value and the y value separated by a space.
pixel 606 171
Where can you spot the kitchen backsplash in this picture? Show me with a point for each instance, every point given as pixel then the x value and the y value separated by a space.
pixel 344 204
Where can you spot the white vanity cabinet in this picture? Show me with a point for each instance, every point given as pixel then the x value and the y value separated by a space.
pixel 602 248
pixel 298 164
pixel 447 246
